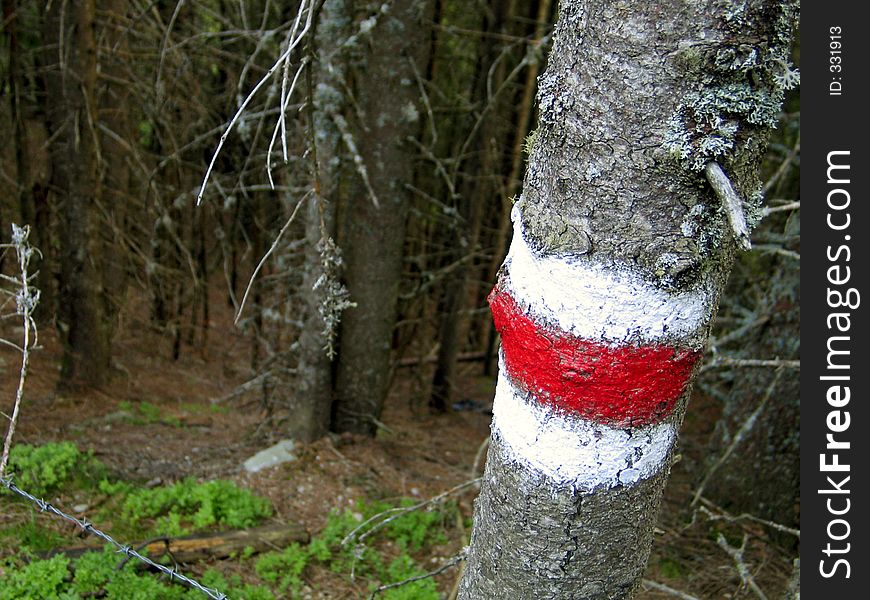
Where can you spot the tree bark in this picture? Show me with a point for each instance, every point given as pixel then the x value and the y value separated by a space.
pixel 620 252
pixel 114 104
pixel 321 287
pixel 372 224
pixel 71 103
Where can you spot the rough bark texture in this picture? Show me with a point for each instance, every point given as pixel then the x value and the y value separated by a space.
pixel 372 237
pixel 614 171
pixel 557 528
pixel 636 99
pixel 71 102
pixel 312 405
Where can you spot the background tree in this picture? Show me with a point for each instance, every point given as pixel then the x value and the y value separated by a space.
pixel 70 58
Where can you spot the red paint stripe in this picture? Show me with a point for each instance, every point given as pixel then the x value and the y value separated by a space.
pixel 626 385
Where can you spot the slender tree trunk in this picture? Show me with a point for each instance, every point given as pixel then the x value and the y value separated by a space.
pixel 114 105
pixel 71 102
pixel 372 230
pixel 451 329
pixel 620 252
pixel 320 285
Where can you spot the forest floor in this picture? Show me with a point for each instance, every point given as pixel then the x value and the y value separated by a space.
pixel 416 455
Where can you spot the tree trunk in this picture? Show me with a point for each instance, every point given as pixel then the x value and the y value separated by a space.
pixel 71 102
pixel 114 101
pixel 321 289
pixel 620 252
pixel 372 225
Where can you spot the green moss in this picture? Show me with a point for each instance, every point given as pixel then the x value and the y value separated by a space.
pixel 410 531
pixel 403 568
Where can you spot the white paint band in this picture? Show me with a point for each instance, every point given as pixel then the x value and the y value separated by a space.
pixel 601 302
pixel 574 451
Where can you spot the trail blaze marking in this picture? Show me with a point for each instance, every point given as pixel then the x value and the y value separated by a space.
pixel 620 385
pixel 594 359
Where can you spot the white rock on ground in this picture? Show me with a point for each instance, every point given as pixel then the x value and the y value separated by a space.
pixel 274 455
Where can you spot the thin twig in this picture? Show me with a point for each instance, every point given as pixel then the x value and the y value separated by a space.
pixel 724 515
pixel 796 205
pixel 278 64
pixel 783 167
pixel 448 565
pixel 725 361
pixel 660 587
pixel 738 437
pixel 773 249
pixel 279 126
pixel 265 256
pixel 397 512
pixel 26 301
pixel 736 555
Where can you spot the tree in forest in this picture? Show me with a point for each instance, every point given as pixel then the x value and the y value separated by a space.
pixel 641 185
pixel 363 165
pixel 70 56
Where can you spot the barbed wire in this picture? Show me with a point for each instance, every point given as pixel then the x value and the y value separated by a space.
pixel 128 551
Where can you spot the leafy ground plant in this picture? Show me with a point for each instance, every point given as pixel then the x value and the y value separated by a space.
pixel 44 469
pixel 101 574
pixel 188 505
pixel 339 551
pixel 374 543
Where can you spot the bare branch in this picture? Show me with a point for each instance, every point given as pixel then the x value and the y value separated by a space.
pixel 731 202
pixel 736 555
pixel 265 256
pixel 26 301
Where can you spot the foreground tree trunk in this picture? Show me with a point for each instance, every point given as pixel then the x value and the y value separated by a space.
pixel 620 251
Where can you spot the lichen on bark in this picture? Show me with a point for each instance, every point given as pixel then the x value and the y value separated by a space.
pixel 604 186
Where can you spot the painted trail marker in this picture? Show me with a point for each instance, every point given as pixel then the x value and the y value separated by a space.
pixel 594 360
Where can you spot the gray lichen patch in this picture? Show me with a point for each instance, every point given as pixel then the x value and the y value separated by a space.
pixel 740 81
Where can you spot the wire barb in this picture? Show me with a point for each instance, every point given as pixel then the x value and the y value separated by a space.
pixel 85 525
